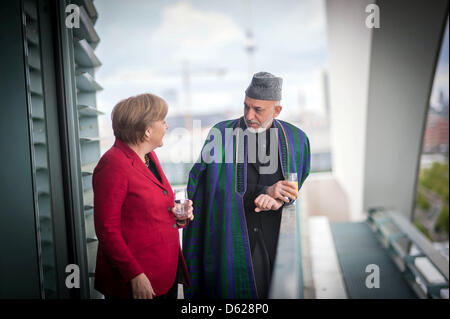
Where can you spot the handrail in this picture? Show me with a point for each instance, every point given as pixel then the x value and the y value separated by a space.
pixel 287 277
pixel 380 220
pixel 436 258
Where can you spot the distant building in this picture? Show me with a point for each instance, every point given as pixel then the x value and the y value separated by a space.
pixel 206 120
pixel 436 133
pixel 181 151
pixel 443 102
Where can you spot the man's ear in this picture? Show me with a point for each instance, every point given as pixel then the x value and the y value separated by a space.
pixel 278 109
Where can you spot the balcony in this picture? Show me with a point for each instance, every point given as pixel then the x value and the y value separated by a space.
pixel 382 257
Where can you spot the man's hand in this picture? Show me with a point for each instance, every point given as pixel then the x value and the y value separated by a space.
pixel 264 202
pixel 141 287
pixel 282 189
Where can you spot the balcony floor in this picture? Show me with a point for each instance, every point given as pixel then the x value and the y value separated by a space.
pixel 357 247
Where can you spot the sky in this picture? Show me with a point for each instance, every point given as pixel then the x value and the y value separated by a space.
pixel 146 46
pixel 441 75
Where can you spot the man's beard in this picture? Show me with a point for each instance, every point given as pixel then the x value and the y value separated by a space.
pixel 261 128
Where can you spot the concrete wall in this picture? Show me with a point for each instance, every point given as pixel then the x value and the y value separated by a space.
pixel 380 82
pixel 349 42
pixel 404 53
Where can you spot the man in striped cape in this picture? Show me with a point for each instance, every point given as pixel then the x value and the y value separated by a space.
pixel 238 188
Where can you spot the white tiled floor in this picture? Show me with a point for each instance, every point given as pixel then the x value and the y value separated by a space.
pixel 326 271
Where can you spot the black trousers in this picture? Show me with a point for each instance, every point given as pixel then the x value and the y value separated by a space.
pixel 171 294
pixel 262 268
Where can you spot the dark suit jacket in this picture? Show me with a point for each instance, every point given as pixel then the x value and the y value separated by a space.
pixel 136 230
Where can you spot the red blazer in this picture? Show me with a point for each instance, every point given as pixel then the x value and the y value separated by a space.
pixel 136 231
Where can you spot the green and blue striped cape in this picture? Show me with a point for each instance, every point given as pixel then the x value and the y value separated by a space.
pixel 215 244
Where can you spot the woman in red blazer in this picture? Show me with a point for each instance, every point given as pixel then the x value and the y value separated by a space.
pixel 139 254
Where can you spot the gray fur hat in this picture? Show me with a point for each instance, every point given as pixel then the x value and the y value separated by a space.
pixel 265 86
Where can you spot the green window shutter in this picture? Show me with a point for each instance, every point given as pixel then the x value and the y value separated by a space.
pixel 39 151
pixel 85 40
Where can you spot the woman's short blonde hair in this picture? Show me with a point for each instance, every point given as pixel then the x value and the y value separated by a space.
pixel 132 116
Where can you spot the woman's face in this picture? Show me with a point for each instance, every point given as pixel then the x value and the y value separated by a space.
pixel 157 131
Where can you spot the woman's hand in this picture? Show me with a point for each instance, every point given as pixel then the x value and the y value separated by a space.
pixel 141 287
pixel 283 189
pixel 265 202
pixel 188 215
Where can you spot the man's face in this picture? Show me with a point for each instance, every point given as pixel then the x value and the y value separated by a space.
pixel 260 113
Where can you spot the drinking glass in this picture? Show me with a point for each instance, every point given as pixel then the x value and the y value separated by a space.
pixel 181 202
pixel 292 177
